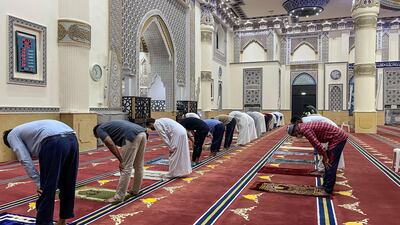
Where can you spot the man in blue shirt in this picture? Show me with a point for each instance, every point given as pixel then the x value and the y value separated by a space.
pixel 132 139
pixel 217 131
pixel 56 146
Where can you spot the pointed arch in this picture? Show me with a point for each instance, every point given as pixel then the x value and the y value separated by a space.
pixel 304 43
pixel 304 79
pixel 162 55
pixel 253 41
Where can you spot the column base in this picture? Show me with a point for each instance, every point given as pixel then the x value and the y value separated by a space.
pixel 83 124
pixel 365 122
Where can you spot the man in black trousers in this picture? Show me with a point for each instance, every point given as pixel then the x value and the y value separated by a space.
pixel 56 146
pixel 230 124
pixel 200 129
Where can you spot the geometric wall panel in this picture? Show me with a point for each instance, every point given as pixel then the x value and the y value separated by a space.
pixel 252 89
pixel 336 97
pixel 392 86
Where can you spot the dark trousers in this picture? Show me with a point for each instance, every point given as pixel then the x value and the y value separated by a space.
pixel 199 137
pixel 58 160
pixel 230 129
pixel 217 134
pixel 330 174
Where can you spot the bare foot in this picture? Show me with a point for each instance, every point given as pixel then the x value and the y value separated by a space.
pixel 113 200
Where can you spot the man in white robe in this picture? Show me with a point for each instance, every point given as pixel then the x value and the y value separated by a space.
pixel 187 115
pixel 251 126
pixel 242 127
pixel 175 137
pixel 261 119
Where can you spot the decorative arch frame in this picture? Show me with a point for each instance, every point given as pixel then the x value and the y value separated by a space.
pixel 250 42
pixel 305 76
pixel 156 16
pixel 304 43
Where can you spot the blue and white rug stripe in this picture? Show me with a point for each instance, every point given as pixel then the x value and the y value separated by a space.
pixel 393 176
pixel 216 210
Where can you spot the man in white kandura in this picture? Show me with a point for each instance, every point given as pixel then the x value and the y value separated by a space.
pixel 175 137
pixel 319 118
pixel 195 115
pixel 243 126
pixel 259 122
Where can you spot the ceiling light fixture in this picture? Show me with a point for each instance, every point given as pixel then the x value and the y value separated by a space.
pixel 304 8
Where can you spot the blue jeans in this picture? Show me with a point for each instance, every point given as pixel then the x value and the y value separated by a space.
pixel 217 134
pixel 58 160
pixel 330 174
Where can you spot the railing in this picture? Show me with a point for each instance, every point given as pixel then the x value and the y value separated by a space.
pixel 138 108
pixel 183 107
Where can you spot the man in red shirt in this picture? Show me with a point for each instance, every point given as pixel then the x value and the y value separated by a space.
pixel 320 132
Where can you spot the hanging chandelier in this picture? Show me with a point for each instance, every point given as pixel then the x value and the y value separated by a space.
pixel 304 8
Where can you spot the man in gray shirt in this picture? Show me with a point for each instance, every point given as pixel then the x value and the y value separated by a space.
pixel 56 146
pixel 132 138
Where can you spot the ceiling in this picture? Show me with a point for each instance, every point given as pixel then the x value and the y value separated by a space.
pixel 254 9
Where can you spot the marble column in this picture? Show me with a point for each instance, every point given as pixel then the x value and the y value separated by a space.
pixel 365 21
pixel 74 42
pixel 207 31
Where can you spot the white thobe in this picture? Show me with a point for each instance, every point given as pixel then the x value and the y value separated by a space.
pixel 261 119
pixel 175 137
pixel 242 127
pixel 251 127
pixel 187 115
pixel 277 119
pixel 273 121
pixel 259 122
pixel 319 118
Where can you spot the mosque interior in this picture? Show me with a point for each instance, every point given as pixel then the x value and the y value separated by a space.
pixel 86 62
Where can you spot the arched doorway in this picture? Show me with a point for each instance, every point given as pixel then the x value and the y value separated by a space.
pixel 304 92
pixel 156 63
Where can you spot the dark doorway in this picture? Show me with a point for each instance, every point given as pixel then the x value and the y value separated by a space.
pixel 304 92
pixel 301 95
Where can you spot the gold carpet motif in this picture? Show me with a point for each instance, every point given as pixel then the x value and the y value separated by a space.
pixel 362 222
pixel 243 212
pixel 172 188
pixel 202 172
pixel 253 198
pixel 353 207
pixel 119 218
pixel 10 185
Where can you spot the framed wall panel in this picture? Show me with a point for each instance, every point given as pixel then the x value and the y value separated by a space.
pixel 27 52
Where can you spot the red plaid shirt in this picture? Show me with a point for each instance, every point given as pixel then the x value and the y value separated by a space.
pixel 320 132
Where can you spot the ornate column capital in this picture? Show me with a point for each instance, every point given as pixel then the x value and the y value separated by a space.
pixel 364 4
pixel 74 32
pixel 365 22
pixel 206 76
pixel 367 69
pixel 206 36
pixel 207 10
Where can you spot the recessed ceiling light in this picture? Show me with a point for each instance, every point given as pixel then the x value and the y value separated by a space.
pixel 303 93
